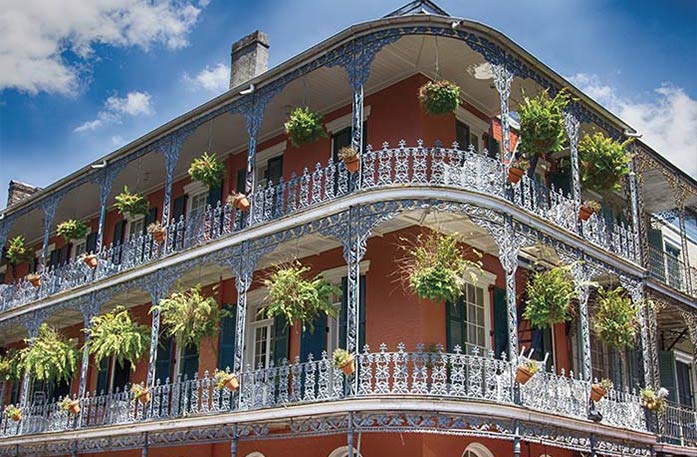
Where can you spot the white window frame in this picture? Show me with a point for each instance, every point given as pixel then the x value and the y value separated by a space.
pixel 477 127
pixel 130 221
pixel 686 358
pixel 485 280
pixel 478 449
pixel 38 252
pixel 194 190
pixel 340 123
pixel 255 299
pixel 79 242
pixel 262 160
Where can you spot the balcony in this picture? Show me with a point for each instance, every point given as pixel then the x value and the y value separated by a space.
pixel 679 425
pixel 400 167
pixel 456 376
pixel 671 270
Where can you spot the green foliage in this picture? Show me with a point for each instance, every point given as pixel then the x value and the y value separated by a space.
pixel 207 169
pixel 437 267
pixel 549 296
pixel 616 318
pixel 49 356
pixel 304 126
pixel 340 357
pixel 604 162
pixel 9 366
pixel 12 412
pixel 542 123
pixel 189 316
pixel 606 384
pixel 654 400
pixel 439 97
pixel 17 250
pixel 532 366
pixel 296 297
pixel 115 334
pixel 72 230
pixel 221 378
pixel 520 164
pixel 347 153
pixel 134 204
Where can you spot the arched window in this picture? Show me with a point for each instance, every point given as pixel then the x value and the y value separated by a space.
pixel 255 454
pixel 343 452
pixel 477 450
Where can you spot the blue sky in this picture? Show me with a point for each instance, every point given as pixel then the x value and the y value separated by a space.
pixel 78 81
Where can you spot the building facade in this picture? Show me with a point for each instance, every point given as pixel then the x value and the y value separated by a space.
pixel 431 379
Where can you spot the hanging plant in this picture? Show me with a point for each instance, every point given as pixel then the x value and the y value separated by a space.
pixel 114 334
pixel 439 97
pixel 616 318
pixel 349 155
pixel 157 231
pixel 13 413
pixel 304 126
pixel 549 297
pixel 343 360
pixel 654 400
pixel 208 170
pixel 296 297
pixel 133 204
pixel 72 230
pixel 189 316
pixel 603 162
pixel 49 356
pixel 227 381
pixel 72 406
pixel 588 208
pixel 9 366
pixel 17 251
pixel 436 268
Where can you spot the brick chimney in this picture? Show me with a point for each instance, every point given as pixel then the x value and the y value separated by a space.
pixel 19 191
pixel 249 58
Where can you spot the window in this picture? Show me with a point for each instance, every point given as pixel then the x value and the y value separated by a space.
pixel 79 248
pixel 467 321
pixel 136 227
pixel 477 450
pixel 462 135
pixel 685 378
pixel 260 338
pixel 198 203
pixel 343 452
pixel 600 359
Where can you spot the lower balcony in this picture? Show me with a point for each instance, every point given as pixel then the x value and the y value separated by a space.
pixel 668 268
pixel 436 375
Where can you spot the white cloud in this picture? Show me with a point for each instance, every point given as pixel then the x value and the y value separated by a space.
pixel 117 140
pixel 38 34
pixel 668 122
pixel 133 104
pixel 213 79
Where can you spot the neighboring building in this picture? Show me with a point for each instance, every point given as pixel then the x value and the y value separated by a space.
pixel 432 379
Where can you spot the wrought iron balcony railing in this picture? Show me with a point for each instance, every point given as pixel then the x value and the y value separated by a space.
pixel 388 167
pixel 679 425
pixel 448 376
pixel 671 270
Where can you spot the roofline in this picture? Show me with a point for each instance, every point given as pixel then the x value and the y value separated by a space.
pixel 315 51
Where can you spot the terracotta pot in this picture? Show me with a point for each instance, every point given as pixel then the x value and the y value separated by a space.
pixel 584 213
pixel 74 408
pixel 159 235
pixel 349 367
pixel 242 202
pixel 514 175
pixel 232 384
pixel 91 261
pixel 523 375
pixel 16 417
pixel 34 279
pixel 353 165
pixel 597 393
pixel 144 397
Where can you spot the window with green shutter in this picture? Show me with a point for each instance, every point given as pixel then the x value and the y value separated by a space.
pixel 228 334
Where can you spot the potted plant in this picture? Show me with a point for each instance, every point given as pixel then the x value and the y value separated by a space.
pixel 525 371
pixel 142 394
pixel 49 356
pixel 549 294
pixel 188 316
pixel 304 126
pixel 128 203
pixel 297 297
pixel 517 169
pixel 239 201
pixel 157 231
pixel 227 381
pixel 207 169
pixel 114 335
pixel 603 162
pixel 542 126
pixel 599 390
pixel 14 413
pixel 349 155
pixel 343 360
pixel 17 252
pixel 436 267
pixel 588 208
pixel 654 400
pixel 72 406
pixel 91 260
pixel 439 97
pixel 72 230
pixel 34 279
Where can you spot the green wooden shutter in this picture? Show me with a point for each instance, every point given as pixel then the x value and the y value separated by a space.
pixel 684 377
pixel 666 368
pixel 656 255
pixel 455 325
pixel 163 366
pixel 91 245
pixel 122 376
pixel 561 180
pixel 361 306
pixel 189 361
pixel 314 342
pixel 500 322
pixel 226 346
pixel 118 232
pixel 103 376
pixel 281 339
pixel 215 195
pixel 179 208
pixel 462 134
pixel 64 254
pixel 150 218
pixel 493 147
pixel 241 181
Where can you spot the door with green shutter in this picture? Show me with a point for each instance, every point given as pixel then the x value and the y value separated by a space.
pixel 656 256
pixel 500 322
pixel 228 335
pixel 281 340
pixel 666 369
pixel 314 342
pixel 188 361
pixel 165 353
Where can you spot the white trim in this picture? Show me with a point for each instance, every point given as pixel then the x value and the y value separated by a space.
pixel 334 275
pixel 343 452
pixel 340 123
pixel 272 151
pixel 51 247
pixel 195 188
pixel 471 119
pixel 479 449
pixel 255 454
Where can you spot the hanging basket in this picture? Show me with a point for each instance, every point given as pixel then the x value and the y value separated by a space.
pixel 34 279
pixel 440 97
pixel 91 261
pixel 597 393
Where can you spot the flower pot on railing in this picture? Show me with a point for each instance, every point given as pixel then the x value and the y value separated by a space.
pixel 588 209
pixel 142 394
pixel 227 381
pixel 72 406
pixel 91 260
pixel 349 367
pixel 239 201
pixel 597 393
pixel 516 170
pixel 350 157
pixel 525 372
pixel 34 279
pixel 157 231
pixel 343 360
pixel 13 413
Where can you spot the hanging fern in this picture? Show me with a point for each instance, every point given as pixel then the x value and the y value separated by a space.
pixel 549 297
pixel 9 366
pixel 439 97
pixel 49 356
pixel 616 318
pixel 72 230
pixel 542 123
pixel 115 334
pixel 134 204
pixel 304 126
pixel 298 298
pixel 207 169
pixel 17 251
pixel 604 162
pixel 188 316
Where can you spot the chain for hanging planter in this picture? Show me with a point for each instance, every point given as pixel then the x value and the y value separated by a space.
pixel 439 97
